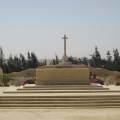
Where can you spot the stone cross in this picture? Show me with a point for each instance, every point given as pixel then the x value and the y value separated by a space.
pixel 65 38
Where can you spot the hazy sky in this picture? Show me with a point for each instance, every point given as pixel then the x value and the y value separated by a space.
pixel 38 25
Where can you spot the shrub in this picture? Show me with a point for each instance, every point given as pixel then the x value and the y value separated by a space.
pixel 5 78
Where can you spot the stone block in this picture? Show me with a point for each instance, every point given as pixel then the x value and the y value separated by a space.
pixel 62 76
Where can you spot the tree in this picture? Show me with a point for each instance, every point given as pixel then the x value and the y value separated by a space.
pixel 97 54
pixel 73 60
pixel 5 79
pixel 1 57
pixel 96 59
pixel 84 60
pixel 34 60
pixel 17 64
pixel 29 64
pixel 116 55
pixel 10 63
pixel 23 62
pixel 109 62
pixel 56 60
pixel 109 57
pixel 116 60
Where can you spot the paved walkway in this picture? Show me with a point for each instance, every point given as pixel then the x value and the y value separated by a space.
pixel 59 114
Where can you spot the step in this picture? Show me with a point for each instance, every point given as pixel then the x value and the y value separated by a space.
pixel 64 96
pixel 63 105
pixel 60 102
pixel 57 99
pixel 64 91
pixel 94 88
pixel 63 86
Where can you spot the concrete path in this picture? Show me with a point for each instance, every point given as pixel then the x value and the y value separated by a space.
pixel 60 114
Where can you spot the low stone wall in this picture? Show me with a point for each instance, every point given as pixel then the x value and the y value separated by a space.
pixel 62 76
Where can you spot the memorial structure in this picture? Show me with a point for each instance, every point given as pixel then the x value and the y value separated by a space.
pixel 65 73
pixel 61 86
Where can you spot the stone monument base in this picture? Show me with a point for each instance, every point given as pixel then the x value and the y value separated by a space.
pixel 62 76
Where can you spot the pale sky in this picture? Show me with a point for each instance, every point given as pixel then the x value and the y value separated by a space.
pixel 39 25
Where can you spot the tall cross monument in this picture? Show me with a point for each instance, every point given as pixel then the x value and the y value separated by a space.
pixel 65 60
pixel 65 38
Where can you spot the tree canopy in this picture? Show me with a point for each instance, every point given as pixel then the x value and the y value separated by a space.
pixel 20 62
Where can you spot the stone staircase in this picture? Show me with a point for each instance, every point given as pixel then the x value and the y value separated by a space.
pixel 63 96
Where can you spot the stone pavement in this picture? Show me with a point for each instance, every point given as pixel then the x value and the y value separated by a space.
pixel 60 114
